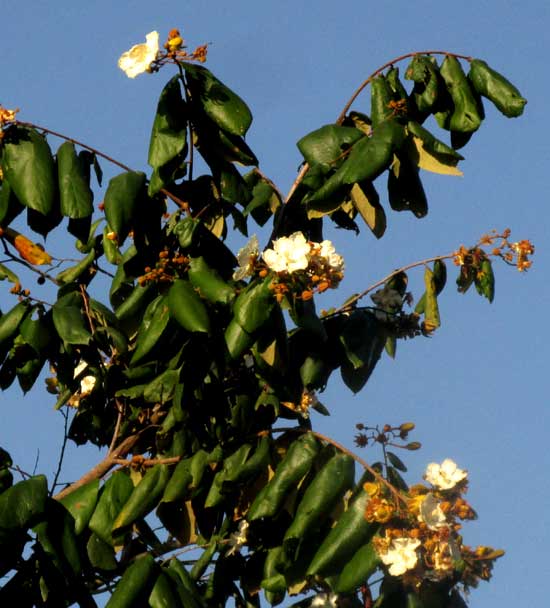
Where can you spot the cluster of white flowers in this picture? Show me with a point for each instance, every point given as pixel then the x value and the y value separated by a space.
pixel 444 476
pixel 431 513
pixel 294 252
pixel 401 555
pixel 325 600
pixel 140 57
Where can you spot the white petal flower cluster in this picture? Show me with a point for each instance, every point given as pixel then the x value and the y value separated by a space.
pixel 431 513
pixel 293 253
pixel 444 476
pixel 139 58
pixel 246 257
pixel 325 600
pixel 401 555
pixel 289 254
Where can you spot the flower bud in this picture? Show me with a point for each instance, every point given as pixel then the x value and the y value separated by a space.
pixel 413 445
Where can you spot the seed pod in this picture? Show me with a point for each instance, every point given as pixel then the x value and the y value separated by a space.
pixel 496 88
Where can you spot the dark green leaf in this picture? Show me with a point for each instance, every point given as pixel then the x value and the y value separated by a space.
pixel 154 323
pixel 136 584
pixel 405 190
pixel 467 114
pixel 169 131
pixel 76 197
pixel 396 461
pixel 496 88
pixel 10 321
pixel 74 272
pixel 485 280
pixel 187 308
pixel 367 202
pixel 122 202
pixel 101 554
pixel 326 145
pixel 209 283
pixel 70 321
pixel 23 504
pixel 162 388
pixel 220 103
pixel 81 504
pixel 112 499
pixel 28 166
pixel 358 570
pixel 253 306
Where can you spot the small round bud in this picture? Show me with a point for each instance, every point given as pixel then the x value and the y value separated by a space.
pixel 413 445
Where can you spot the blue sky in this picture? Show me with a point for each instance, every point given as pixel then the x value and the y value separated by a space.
pixel 478 389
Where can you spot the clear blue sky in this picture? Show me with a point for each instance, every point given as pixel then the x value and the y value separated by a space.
pixel 478 389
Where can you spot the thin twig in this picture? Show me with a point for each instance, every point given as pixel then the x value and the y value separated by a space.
pixel 102 468
pixel 62 453
pixel 27 265
pixel 120 409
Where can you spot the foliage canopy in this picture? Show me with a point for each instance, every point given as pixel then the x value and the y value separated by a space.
pixel 197 367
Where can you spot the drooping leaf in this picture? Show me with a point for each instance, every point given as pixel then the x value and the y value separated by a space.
pixel 430 161
pixel 440 279
pixel 29 168
pixel 252 307
pixel 209 283
pixel 76 197
pixel 168 136
pixel 367 202
pixel 496 88
pixel 74 272
pixel 423 71
pixel 136 583
pixel 23 504
pixel 381 96
pixel 69 319
pixel 122 202
pixel 405 190
pixel 431 310
pixel 358 569
pixel 326 145
pixel 485 280
pixel 10 321
pixel 155 321
pixel 81 504
pixel 220 103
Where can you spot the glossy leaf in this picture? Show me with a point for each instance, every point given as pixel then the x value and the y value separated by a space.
pixel 423 71
pixel 209 283
pixel 74 272
pixel 155 321
pixel 136 583
pixel 253 306
pixel 358 569
pixel 70 321
pixel 220 103
pixel 81 504
pixel 75 194
pixel 100 554
pixel 10 321
pixel 467 113
pixel 485 280
pixel 112 498
pixel 296 463
pixel 350 532
pixel 144 497
pixel 405 190
pixel 381 96
pixel 122 202
pixel 168 136
pixel 28 166
pixel 187 308
pixel 327 487
pixel 23 504
pixel 326 145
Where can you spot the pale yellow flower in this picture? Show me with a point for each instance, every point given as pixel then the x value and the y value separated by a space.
pixel 289 254
pixel 444 476
pixel 401 555
pixel 140 57
pixel 431 514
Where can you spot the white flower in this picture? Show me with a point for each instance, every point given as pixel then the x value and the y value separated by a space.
pixel 431 513
pixel 401 555
pixel 289 254
pixel 87 383
pixel 138 59
pixel 327 251
pixel 246 257
pixel 444 476
pixel 238 539
pixel 325 600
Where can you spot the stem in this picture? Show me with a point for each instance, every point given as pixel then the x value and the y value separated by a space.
pixel 358 91
pixel 62 453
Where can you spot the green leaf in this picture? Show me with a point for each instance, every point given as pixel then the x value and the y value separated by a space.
pixel 230 470
pixel 187 588
pixel 100 554
pixel 326 145
pixel 69 320
pixel 163 595
pixel 10 321
pixel 237 339
pixel 358 569
pixel 122 202
pixel 220 103
pixel 10 206
pixel 433 145
pixel 265 198
pixel 350 532
pixel 485 280
pixel 467 112
pixel 168 136
pixel 496 88
pixel 161 389
pixel 381 95
pixel 296 463
pixel 81 504
pixel 136 583
pixel 424 72
pixel 440 279
pixel 253 306
pixel 323 492
pixel 186 477
pixel 28 166
pixel 396 461
pixel 187 308
pixel 155 321
pixel 112 498
pixel 7 273
pixel 209 283
pixel 144 497
pixel 366 200
pixel 23 504
pixel 76 197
